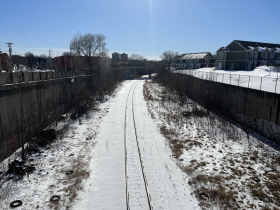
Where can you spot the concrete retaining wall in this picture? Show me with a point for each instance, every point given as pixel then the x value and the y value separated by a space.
pixel 256 109
pixel 16 77
pixel 36 102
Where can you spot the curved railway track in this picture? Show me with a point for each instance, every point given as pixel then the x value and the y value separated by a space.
pixel 133 87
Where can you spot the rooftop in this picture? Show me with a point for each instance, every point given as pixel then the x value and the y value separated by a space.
pixel 194 55
pixel 249 45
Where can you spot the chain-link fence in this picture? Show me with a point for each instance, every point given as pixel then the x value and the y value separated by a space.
pixel 268 84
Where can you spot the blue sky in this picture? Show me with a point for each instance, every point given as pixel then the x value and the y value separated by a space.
pixel 146 27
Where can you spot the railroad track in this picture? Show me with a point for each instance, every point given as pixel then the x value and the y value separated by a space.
pixel 133 87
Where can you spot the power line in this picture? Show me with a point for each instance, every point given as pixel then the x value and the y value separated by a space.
pixel 30 36
pixel 2 34
pixel 20 46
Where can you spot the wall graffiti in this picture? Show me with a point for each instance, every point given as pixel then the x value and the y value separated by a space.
pixel 268 129
pixel 248 107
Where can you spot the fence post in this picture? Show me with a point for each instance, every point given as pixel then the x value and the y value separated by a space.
pixel 223 77
pixel 276 84
pixel 248 81
pixel 230 78
pixel 238 80
pixel 261 84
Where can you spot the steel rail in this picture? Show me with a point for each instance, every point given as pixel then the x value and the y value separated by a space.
pixel 139 153
pixel 125 151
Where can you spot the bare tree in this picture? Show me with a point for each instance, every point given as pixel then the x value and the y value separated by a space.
pixel 43 55
pixel 137 59
pixel 29 59
pixel 66 53
pixel 18 60
pixel 89 45
pixel 168 56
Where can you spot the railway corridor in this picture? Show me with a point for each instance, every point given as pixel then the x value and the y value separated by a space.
pixel 131 167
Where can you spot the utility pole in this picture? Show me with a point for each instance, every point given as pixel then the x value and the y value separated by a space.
pixel 10 52
pixel 10 48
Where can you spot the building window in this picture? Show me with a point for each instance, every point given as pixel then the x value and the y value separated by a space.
pixel 207 60
pixel 271 55
pixel 256 55
pixel 251 55
pixel 220 55
pixel 265 56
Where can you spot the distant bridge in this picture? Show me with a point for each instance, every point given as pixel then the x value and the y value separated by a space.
pixel 140 70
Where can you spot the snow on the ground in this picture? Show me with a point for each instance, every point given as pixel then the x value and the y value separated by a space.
pixel 167 184
pixel 72 152
pixel 226 170
pixel 261 78
pixel 105 188
pixel 94 148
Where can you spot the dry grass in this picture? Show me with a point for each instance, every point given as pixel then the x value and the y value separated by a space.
pixel 146 93
pixel 239 180
pixel 73 182
pixel 178 146
pixel 210 190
